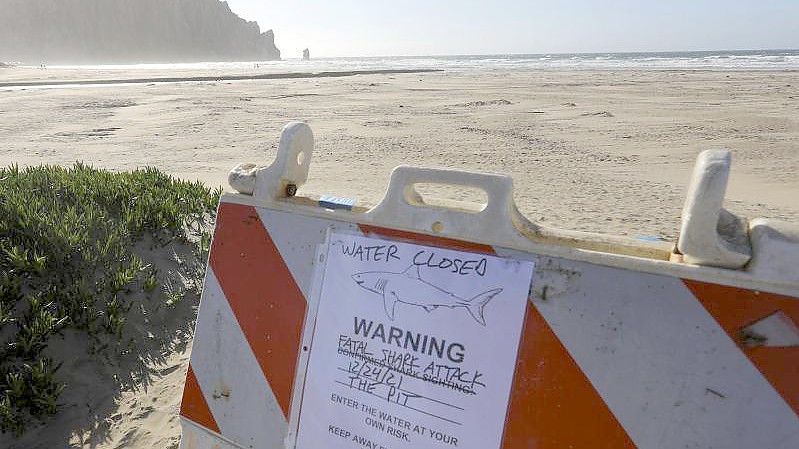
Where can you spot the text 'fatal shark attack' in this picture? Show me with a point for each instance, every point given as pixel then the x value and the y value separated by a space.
pixel 422 258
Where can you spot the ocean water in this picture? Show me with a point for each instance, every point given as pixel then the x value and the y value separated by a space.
pixel 697 60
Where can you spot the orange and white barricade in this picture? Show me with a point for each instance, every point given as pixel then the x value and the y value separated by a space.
pixel 624 343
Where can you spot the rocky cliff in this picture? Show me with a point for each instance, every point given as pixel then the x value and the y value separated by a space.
pixel 128 31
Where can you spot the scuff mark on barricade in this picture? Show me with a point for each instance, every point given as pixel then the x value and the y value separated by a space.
pixel 553 279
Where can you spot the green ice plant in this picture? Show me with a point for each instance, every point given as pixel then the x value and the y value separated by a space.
pixel 71 257
pixel 151 281
pixel 45 390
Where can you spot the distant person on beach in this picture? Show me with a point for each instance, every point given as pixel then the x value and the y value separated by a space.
pixel 306 55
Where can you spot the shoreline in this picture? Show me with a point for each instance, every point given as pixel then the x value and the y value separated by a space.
pixel 25 83
pixel 181 79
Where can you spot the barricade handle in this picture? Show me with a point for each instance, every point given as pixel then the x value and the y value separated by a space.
pixel 709 234
pixel 286 174
pixel 403 206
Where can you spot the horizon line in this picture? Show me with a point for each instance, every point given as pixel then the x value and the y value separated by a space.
pixel 626 52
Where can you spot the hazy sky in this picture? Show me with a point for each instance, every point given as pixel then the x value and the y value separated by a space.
pixel 430 27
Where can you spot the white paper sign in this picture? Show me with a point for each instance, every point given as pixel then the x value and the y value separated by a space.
pixel 413 347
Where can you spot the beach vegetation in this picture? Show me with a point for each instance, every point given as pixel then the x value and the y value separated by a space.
pixel 80 248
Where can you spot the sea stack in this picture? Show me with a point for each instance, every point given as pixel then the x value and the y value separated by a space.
pixel 122 31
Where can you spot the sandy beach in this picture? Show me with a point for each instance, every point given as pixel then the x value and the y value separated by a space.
pixel 601 151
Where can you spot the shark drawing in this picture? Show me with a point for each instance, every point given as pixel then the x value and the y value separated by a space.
pixel 408 287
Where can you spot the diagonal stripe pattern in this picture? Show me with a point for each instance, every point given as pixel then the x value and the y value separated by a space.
pixel 194 406
pixel 553 404
pixel 735 308
pixel 267 303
